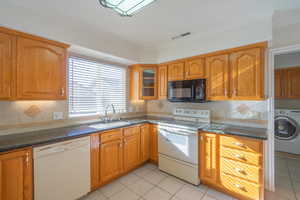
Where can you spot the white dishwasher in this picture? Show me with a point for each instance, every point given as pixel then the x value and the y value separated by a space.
pixel 62 170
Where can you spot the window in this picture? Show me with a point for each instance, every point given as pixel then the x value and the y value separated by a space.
pixel 93 86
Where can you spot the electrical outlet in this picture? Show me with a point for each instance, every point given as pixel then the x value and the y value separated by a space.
pixel 58 115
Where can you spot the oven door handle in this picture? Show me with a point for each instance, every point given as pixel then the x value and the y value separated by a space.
pixel 178 132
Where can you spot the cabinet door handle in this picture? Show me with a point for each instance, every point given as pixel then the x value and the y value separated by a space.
pixel 27 159
pixel 238 144
pixel 239 156
pixel 239 186
pixel 241 171
pixel 62 91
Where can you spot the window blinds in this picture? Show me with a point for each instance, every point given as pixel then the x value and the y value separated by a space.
pixel 93 86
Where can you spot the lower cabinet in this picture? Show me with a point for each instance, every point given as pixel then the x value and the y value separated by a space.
pixel 116 152
pixel 208 156
pixel 16 175
pixel 132 148
pixel 153 143
pixel 145 142
pixel 232 164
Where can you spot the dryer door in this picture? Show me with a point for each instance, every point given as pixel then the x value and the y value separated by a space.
pixel 285 128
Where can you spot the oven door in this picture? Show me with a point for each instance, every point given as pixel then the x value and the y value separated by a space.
pixel 179 144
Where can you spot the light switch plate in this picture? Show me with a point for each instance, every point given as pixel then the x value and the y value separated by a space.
pixel 58 115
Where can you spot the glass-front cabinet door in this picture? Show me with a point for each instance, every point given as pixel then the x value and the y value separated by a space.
pixel 148 82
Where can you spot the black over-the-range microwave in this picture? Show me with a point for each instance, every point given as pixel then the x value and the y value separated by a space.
pixel 187 91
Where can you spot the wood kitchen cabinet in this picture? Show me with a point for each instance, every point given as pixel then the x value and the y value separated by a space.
pixel 35 68
pixel 293 83
pixel 162 82
pixel 218 87
pixel 143 82
pixel 41 70
pixel 132 147
pixel 145 142
pixel 208 155
pixel 247 74
pixel 153 143
pixel 106 157
pixel 280 83
pixel 232 164
pixel 7 65
pixel 287 83
pixel 195 69
pixel 176 71
pixel 16 179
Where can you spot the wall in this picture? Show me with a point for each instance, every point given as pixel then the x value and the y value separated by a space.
pixel 287 60
pixel 286 28
pixel 253 113
pixel 208 42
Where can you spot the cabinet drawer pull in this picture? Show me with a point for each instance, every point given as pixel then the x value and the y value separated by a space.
pixel 239 170
pixel 239 186
pixel 238 144
pixel 239 156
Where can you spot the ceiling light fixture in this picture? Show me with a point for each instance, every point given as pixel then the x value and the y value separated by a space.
pixel 126 7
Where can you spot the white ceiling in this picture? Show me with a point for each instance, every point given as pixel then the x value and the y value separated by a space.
pixel 156 24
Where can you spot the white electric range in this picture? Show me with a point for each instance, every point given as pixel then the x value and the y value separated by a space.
pixel 178 144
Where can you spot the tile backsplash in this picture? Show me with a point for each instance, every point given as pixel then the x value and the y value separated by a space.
pixel 235 111
pixel 30 112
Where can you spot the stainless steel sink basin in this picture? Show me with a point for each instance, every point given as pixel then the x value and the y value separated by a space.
pixel 108 125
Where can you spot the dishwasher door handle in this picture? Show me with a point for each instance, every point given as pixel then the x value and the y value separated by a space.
pixel 49 151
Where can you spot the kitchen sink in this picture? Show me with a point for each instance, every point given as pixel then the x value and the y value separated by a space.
pixel 108 125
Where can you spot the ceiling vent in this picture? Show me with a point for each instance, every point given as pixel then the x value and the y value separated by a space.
pixel 181 35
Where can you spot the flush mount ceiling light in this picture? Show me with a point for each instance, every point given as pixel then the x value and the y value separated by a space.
pixel 126 7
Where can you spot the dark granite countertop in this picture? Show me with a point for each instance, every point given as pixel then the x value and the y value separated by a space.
pixel 36 138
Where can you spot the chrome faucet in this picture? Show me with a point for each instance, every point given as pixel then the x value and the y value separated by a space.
pixel 106 118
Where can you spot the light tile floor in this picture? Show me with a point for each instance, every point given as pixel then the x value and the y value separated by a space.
pixel 287 177
pixel 149 183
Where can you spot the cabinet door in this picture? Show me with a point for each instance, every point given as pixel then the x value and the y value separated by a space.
pixel 145 143
pixel 293 83
pixel 16 176
pixel 148 83
pixel 7 65
pixel 131 152
pixel 247 71
pixel 208 157
pixel 280 83
pixel 95 161
pixel 41 69
pixel 218 77
pixel 153 143
pixel 162 81
pixel 111 160
pixel 176 71
pixel 195 69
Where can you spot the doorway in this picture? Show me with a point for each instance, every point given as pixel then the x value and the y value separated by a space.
pixel 284 122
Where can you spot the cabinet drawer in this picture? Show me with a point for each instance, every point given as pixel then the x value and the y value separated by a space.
pixel 241 143
pixel 249 172
pixel 242 156
pixel 111 135
pixel 131 131
pixel 240 188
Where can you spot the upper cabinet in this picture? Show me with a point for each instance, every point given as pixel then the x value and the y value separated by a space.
pixel 195 69
pixel 230 74
pixel 247 72
pixel 162 81
pixel 148 82
pixel 218 77
pixel 7 65
pixel 143 82
pixel 176 71
pixel 33 68
pixel 287 83
pixel 280 83
pixel 41 70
